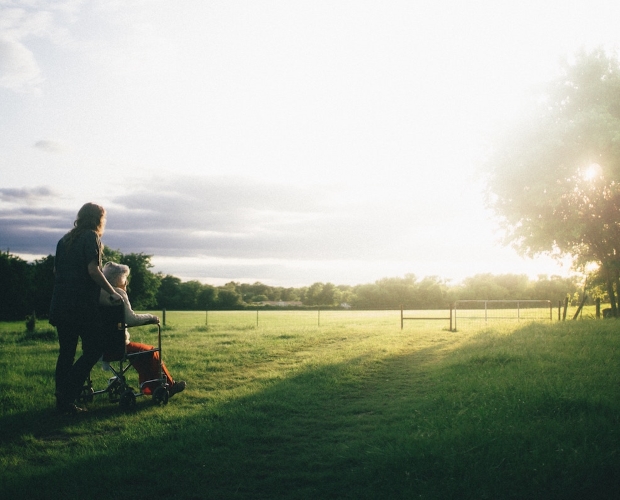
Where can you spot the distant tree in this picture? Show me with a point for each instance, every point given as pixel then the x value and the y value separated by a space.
pixel 249 292
pixel 555 288
pixel 312 296
pixel 15 286
pixel 371 296
pixel 431 293
pixel 207 297
pixel 289 294
pixel 554 179
pixel 346 294
pixel 274 293
pixel 487 286
pixel 174 294
pixel 42 285
pixel 330 295
pixel 168 296
pixel 391 293
pixel 301 294
pixel 228 297
pixel 189 293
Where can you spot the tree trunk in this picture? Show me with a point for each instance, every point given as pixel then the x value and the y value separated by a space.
pixel 612 296
pixel 617 295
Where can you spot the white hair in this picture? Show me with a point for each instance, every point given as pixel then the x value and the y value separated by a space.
pixel 115 273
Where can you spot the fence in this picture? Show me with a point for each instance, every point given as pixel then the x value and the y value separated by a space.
pixel 503 310
pixel 403 318
pixel 465 311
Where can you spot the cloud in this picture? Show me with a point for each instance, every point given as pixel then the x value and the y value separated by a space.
pixel 26 195
pixel 239 218
pixel 30 221
pixel 204 227
pixel 50 146
pixel 31 230
pixel 19 70
pixel 218 229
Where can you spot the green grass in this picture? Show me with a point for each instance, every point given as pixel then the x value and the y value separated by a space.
pixel 354 408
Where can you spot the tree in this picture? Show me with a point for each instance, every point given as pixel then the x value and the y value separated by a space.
pixel 42 285
pixel 554 288
pixel 408 292
pixel 228 297
pixel 189 293
pixel 554 179
pixel 312 297
pixel 168 293
pixel 15 283
pixel 207 297
pixel 330 295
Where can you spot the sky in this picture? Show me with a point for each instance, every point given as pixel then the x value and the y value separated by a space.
pixel 287 142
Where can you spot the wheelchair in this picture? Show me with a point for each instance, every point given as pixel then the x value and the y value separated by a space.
pixel 115 353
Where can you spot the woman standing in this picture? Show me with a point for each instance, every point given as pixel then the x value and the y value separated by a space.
pixel 74 310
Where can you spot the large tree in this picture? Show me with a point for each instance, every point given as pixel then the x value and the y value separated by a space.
pixel 554 177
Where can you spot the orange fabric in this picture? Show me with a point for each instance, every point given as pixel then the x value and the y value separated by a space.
pixel 147 366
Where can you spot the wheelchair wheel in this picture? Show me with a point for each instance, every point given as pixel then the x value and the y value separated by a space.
pixel 128 400
pixel 115 389
pixel 160 395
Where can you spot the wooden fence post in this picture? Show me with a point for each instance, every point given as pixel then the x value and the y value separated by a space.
pixel 565 309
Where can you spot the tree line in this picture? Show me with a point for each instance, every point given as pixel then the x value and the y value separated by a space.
pixel 26 287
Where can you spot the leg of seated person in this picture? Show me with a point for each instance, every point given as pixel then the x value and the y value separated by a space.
pixel 147 366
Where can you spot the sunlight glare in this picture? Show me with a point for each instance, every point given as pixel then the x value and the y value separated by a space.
pixel 591 172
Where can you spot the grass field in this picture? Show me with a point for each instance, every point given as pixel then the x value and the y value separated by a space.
pixel 291 405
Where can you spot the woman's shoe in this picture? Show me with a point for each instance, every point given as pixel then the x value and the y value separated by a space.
pixel 69 408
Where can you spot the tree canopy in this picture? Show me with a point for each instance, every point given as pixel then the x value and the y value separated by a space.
pixel 554 177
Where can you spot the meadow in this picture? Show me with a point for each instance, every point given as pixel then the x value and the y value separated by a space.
pixel 343 405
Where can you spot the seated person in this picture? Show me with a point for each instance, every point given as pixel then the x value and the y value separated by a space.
pixel 146 366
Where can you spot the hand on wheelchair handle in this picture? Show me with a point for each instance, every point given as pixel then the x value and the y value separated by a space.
pixel 115 299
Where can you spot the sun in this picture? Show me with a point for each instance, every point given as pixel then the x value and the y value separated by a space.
pixel 591 172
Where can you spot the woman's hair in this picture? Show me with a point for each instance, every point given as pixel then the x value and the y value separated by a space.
pixel 115 273
pixel 91 217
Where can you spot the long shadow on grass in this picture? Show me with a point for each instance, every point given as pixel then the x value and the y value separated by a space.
pixel 402 427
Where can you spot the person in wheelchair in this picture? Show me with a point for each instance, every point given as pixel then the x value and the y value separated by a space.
pixel 146 366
